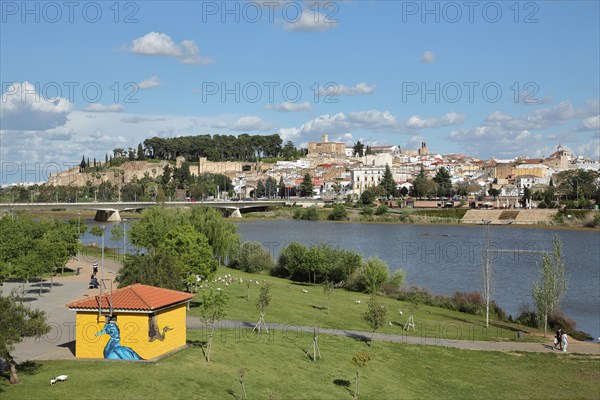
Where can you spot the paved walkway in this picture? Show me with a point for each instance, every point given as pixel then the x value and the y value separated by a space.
pixel 296 332
pixel 59 342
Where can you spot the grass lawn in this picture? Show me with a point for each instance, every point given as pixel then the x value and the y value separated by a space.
pixel 279 369
pixel 290 305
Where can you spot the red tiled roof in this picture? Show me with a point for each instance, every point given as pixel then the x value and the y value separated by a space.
pixel 134 297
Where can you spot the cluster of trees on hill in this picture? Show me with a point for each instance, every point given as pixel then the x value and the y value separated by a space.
pixel 221 147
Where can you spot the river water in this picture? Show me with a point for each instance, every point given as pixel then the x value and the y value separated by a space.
pixel 445 259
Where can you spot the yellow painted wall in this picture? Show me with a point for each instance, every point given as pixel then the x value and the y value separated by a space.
pixel 134 333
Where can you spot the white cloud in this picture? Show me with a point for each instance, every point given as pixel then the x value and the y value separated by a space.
pixel 590 149
pixel 23 108
pixel 373 119
pixel 309 21
pixel 98 107
pixel 343 90
pixel 149 83
pixel 290 107
pixel 161 44
pixel 451 118
pixel 250 123
pixel 428 57
pixel 591 123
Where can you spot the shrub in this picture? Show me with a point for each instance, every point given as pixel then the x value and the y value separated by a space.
pixel 338 213
pixel 297 213
pixel 253 257
pixel 367 210
pixel 382 209
pixel 370 277
pixel 394 283
pixel 310 214
pixel 368 196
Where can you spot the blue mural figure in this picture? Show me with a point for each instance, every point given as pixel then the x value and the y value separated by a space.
pixel 113 349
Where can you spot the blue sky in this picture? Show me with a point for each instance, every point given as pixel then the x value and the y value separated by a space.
pixel 487 79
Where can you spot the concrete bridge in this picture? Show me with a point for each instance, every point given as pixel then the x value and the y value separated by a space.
pixel 110 211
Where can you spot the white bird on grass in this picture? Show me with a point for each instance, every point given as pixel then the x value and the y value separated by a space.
pixel 60 378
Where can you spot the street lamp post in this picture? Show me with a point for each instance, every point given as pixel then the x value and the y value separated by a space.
pixel 124 238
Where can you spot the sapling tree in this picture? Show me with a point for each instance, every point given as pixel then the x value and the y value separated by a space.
pixel 241 374
pixel 549 291
pixel 264 298
pixel 359 360
pixel 375 315
pixel 212 311
pixel 328 288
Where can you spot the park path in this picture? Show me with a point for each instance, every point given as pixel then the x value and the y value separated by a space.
pixel 59 343
pixel 304 333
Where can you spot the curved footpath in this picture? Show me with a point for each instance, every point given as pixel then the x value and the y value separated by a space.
pixel 293 332
pixel 59 343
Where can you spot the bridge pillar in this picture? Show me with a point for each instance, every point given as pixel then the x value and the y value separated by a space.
pixel 236 214
pixel 108 216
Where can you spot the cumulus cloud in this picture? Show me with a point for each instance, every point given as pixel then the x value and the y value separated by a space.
pixel 343 90
pixel 150 83
pixel 591 123
pixel 161 45
pixel 451 118
pixel 100 108
pixel 136 119
pixel 289 107
pixel 250 123
pixel 23 108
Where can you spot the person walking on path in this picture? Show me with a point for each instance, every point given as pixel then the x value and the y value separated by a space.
pixel 558 339
pixel 564 342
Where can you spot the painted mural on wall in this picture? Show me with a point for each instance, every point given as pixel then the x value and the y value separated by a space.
pixel 113 349
pixel 153 332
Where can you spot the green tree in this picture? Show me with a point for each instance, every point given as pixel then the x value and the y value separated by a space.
pixel 368 196
pixel 375 315
pixel 253 257
pixel 166 175
pixel 548 292
pixel 263 301
pixel 140 152
pixel 18 322
pixel 494 192
pixel 192 254
pixel 444 182
pixel 212 310
pixel 358 149
pixel 260 189
pixel 338 213
pixel 382 209
pixel 371 276
pixel 306 187
pixel 359 360
pixel 281 188
pixel 388 184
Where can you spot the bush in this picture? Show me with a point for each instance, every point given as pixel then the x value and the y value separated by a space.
pixel 310 214
pixel 394 283
pixel 370 277
pixel 253 257
pixel 317 263
pixel 382 209
pixel 367 210
pixel 368 196
pixel 338 213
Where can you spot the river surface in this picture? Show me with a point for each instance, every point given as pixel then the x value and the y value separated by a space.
pixel 445 259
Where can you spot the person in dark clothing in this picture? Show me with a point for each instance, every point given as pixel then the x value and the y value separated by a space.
pixel 558 339
pixel 93 282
